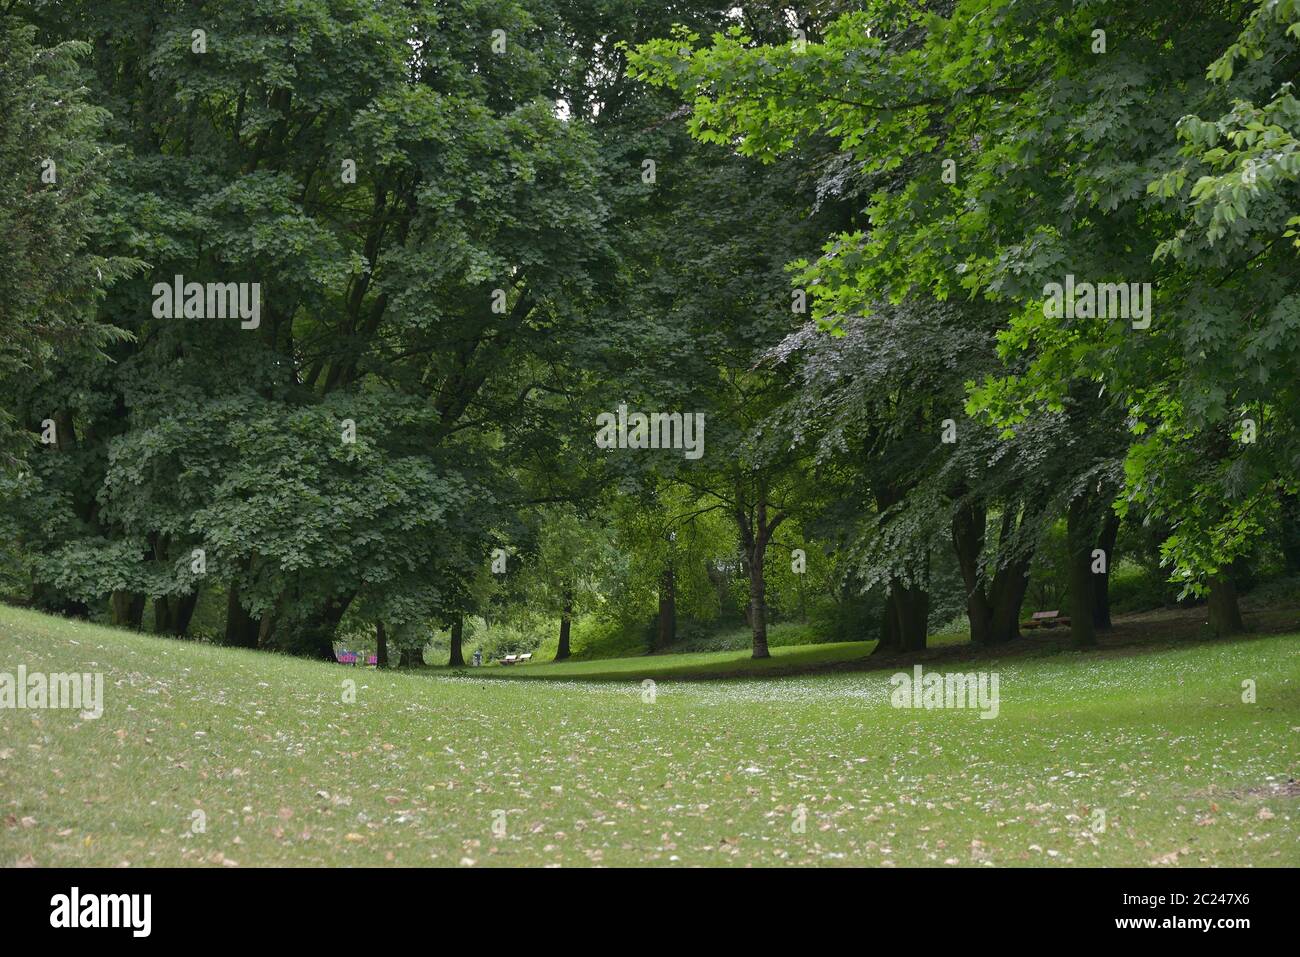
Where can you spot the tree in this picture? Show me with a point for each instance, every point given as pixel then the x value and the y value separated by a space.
pixel 1012 147
pixel 420 223
pixel 57 163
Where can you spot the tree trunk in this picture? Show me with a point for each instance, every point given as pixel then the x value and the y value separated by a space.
pixel 1080 533
pixel 1290 531
pixel 381 646
pixel 241 627
pixel 1225 614
pixel 119 606
pixel 266 630
pixel 185 612
pixel 968 542
pixel 913 611
pixel 907 608
pixel 566 619
pixel 126 608
pixel 667 626
pixel 1010 584
pixel 172 614
pixel 754 538
pixel 162 615
pixel 1101 580
pixel 889 637
pixel 906 619
pixel 758 603
pixel 317 636
pixel 457 658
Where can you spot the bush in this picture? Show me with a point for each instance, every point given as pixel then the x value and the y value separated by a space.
pixel 1134 587
pixel 734 637
pixel 595 636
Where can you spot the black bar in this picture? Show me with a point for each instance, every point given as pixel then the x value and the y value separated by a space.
pixel 335 906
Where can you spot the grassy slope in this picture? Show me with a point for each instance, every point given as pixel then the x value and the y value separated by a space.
pixel 711 773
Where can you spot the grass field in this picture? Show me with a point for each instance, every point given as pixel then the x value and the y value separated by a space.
pixel 421 766
pixel 690 665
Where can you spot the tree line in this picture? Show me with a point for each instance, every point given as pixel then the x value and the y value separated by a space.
pixel 476 228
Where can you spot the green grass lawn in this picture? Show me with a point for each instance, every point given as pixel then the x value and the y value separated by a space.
pixel 692 665
pixel 712 772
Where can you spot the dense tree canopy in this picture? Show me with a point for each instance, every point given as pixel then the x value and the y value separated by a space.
pixel 453 235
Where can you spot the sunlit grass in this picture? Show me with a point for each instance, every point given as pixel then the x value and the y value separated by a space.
pixel 691 664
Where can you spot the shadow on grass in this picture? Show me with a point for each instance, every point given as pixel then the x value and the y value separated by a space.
pixel 1139 633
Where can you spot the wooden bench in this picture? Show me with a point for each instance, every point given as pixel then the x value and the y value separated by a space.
pixel 509 659
pixel 1045 619
pixel 526 657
